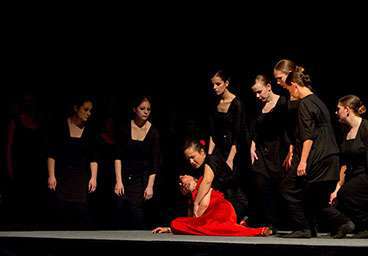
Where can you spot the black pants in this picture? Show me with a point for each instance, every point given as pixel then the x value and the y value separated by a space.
pixel 306 202
pixel 130 207
pixel 66 215
pixel 353 200
pixel 264 200
pixel 317 196
pixel 291 189
pixel 335 218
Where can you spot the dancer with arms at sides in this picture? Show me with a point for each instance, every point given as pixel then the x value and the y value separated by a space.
pixel 280 72
pixel 226 120
pixel 314 169
pixel 72 164
pixel 136 164
pixel 227 133
pixel 268 149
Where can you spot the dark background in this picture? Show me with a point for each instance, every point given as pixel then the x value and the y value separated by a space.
pixel 170 51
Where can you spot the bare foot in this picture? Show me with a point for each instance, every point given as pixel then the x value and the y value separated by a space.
pixel 266 231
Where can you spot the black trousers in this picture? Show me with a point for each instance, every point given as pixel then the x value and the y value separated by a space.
pixel 67 215
pixel 130 212
pixel 306 202
pixel 353 200
pixel 264 200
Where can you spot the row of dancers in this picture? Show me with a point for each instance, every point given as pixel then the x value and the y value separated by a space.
pixel 287 155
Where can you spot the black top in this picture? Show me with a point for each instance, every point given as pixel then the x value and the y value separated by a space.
pixel 271 126
pixel 72 158
pixel 314 124
pixel 354 152
pixel 223 175
pixel 139 158
pixel 269 134
pixel 225 128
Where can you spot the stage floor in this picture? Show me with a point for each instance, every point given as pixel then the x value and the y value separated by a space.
pixel 147 236
pixel 145 241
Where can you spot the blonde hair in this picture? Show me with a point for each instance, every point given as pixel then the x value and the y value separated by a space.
pixel 286 66
pixel 263 79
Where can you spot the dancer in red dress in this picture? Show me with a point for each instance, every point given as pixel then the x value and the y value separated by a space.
pixel 216 216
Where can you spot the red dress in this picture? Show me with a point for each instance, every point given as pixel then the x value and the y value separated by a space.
pixel 219 219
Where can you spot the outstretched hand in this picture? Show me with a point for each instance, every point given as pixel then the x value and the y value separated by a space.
pixel 161 230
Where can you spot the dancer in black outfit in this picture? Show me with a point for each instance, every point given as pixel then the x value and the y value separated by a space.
pixel 226 121
pixel 136 165
pixel 315 162
pixel 280 73
pixel 351 193
pixel 72 165
pixel 268 150
pixel 228 132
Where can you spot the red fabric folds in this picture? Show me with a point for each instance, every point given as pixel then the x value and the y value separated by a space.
pixel 218 220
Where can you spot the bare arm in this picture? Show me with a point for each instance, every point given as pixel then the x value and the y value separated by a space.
pixel 211 146
pixel 289 157
pixel 341 177
pixel 51 171
pixel 93 180
pixel 148 193
pixel 203 188
pixel 339 184
pixel 203 205
pixel 230 157
pixel 302 167
pixel 119 187
pixel 253 154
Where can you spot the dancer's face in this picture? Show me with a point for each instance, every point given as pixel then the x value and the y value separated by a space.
pixel 84 112
pixel 195 157
pixel 143 110
pixel 186 183
pixel 342 113
pixel 219 85
pixel 280 78
pixel 293 89
pixel 262 91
